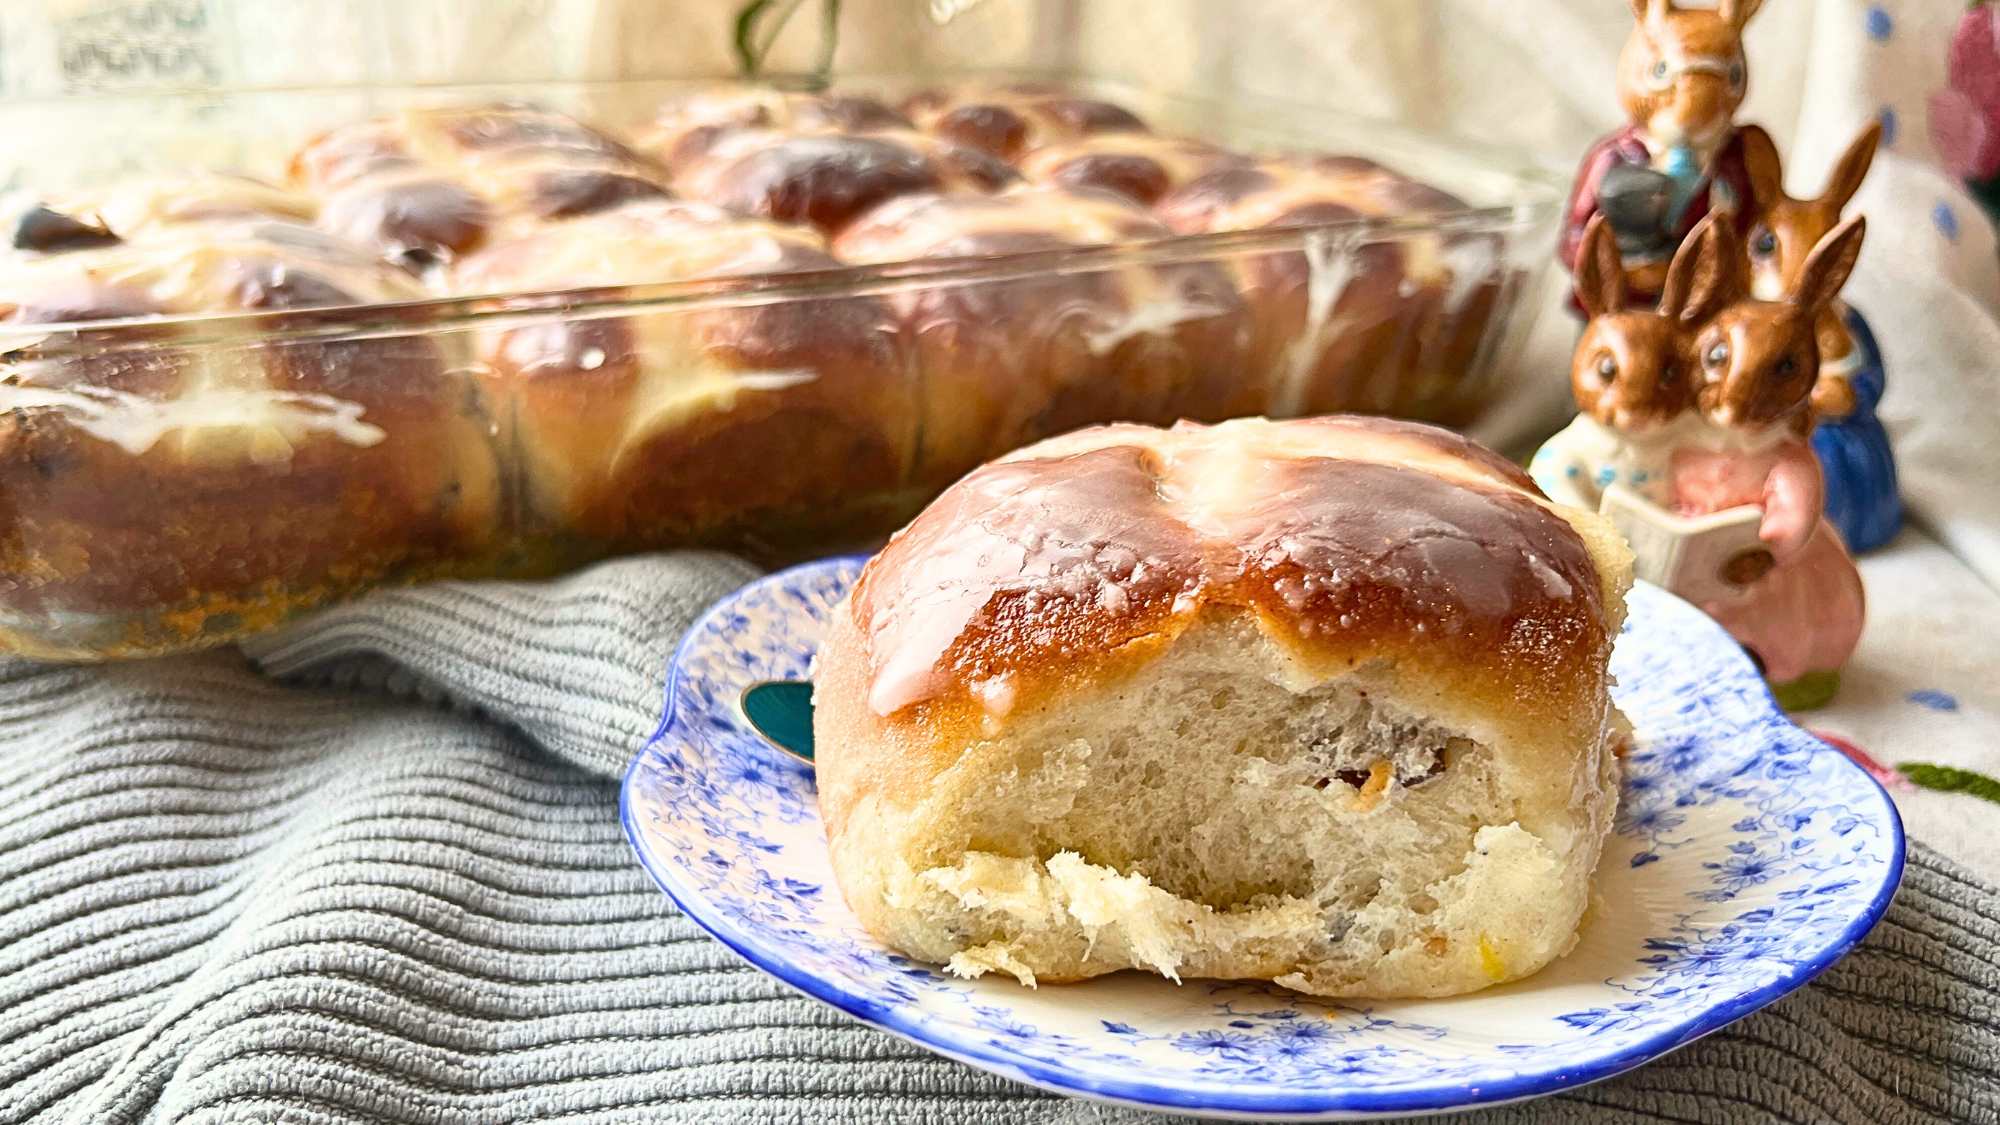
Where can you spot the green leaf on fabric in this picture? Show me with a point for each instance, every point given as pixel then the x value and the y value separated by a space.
pixel 1950 779
pixel 1809 692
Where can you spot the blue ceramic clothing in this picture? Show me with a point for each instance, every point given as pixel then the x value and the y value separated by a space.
pixel 1861 498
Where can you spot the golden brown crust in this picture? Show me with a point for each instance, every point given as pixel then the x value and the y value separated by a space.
pixel 196 480
pixel 684 127
pixel 1388 326
pixel 1348 541
pixel 1260 193
pixel 433 185
pixel 688 423
pixel 1079 346
pixel 1011 121
pixel 827 179
pixel 1142 167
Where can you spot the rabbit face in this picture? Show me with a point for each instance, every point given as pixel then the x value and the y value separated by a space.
pixel 1624 373
pixel 1754 363
pixel 1630 369
pixel 1682 74
pixel 1788 228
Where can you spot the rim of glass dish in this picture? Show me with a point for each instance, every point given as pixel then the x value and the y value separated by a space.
pixel 970 1048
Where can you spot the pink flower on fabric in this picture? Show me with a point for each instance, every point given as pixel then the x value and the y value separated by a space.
pixel 1966 140
pixel 1885 776
pixel 1965 115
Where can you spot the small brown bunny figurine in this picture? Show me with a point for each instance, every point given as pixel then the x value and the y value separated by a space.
pixel 1625 371
pixel 1629 370
pixel 1756 361
pixel 1862 497
pixel 1681 78
pixel 1786 231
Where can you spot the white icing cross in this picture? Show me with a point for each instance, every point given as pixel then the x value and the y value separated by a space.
pixel 774 380
pixel 1148 319
pixel 135 423
pixel 1329 269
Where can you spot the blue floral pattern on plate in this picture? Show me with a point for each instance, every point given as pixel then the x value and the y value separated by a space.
pixel 1748 857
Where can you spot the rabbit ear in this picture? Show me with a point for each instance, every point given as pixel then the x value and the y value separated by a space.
pixel 1649 13
pixel 1738 12
pixel 1760 161
pixel 1705 273
pixel 1852 167
pixel 1828 265
pixel 1600 273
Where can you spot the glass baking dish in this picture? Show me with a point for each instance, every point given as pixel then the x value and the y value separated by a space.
pixel 169 482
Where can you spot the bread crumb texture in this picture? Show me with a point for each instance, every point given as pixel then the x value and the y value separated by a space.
pixel 1204 819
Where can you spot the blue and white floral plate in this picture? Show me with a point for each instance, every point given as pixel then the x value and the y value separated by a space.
pixel 1748 857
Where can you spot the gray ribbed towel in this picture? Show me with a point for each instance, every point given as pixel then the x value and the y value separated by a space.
pixel 373 872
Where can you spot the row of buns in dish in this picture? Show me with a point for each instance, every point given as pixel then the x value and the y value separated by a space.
pixel 210 472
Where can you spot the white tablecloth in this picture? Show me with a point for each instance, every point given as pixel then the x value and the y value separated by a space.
pixel 1925 686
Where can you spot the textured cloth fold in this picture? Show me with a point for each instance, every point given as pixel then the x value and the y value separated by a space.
pixel 371 870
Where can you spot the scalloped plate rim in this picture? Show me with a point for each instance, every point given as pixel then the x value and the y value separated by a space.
pixel 1330 1104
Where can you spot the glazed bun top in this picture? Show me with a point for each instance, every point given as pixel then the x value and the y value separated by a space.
pixel 684 127
pixel 827 179
pixel 694 362
pixel 1011 121
pixel 1342 539
pixel 667 240
pixel 190 270
pixel 1142 167
pixel 211 390
pixel 1021 219
pixel 479 136
pixel 429 185
pixel 1298 190
pixel 140 207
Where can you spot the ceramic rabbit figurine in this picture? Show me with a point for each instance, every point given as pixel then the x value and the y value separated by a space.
pixel 1853 448
pixel 1699 412
pixel 1754 366
pixel 1681 78
pixel 1633 399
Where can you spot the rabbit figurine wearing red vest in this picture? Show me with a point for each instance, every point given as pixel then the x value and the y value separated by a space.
pixel 1681 78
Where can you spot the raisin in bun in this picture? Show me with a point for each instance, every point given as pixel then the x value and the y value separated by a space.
pixel 233 473
pixel 825 178
pixel 1320 702
pixel 649 429
pixel 1011 121
pixel 1040 351
pixel 429 185
pixel 1378 324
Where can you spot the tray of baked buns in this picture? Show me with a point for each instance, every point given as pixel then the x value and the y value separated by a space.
pixel 475 332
